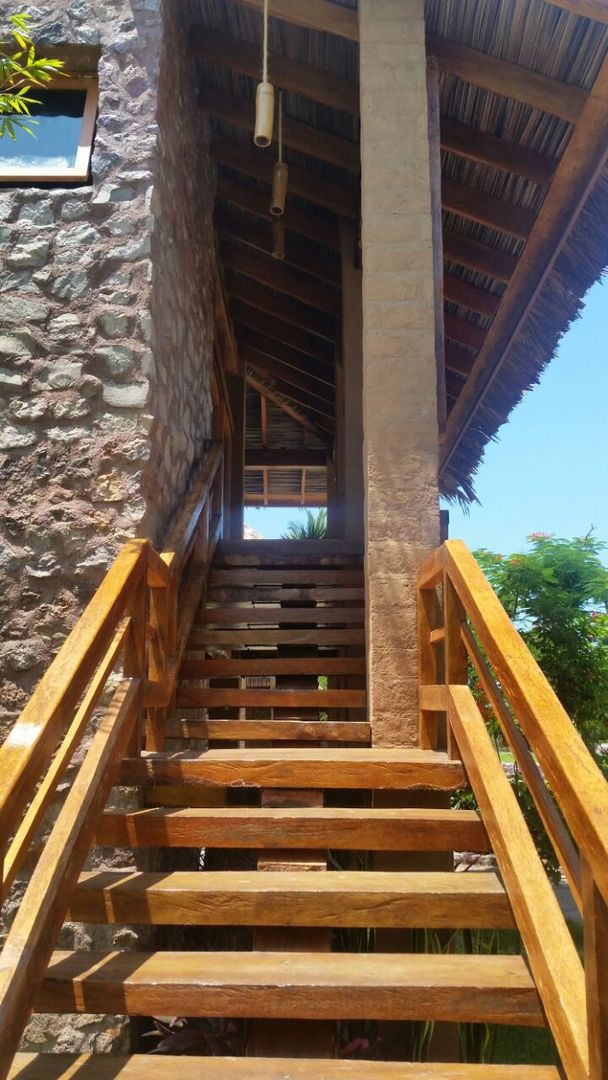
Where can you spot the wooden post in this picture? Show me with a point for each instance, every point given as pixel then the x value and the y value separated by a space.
pixel 595 914
pixel 235 512
pixel 135 658
pixel 456 656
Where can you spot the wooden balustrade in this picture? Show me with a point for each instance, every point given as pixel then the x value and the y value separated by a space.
pixel 140 617
pixel 461 620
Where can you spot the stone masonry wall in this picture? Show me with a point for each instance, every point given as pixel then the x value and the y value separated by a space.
pixel 106 332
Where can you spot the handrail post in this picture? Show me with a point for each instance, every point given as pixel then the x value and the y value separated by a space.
pixel 428 674
pixel 135 656
pixel 595 916
pixel 159 657
pixel 455 652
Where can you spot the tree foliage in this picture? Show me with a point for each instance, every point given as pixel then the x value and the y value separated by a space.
pixel 20 70
pixel 313 528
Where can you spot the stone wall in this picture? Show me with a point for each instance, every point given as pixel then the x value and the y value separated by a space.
pixel 106 332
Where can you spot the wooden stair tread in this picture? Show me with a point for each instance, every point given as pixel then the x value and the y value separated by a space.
pixel 169 1067
pixel 200 697
pixel 270 730
pixel 268 635
pixel 278 594
pixel 286 575
pixel 298 768
pixel 194 666
pixel 433 899
pixel 274 614
pixel 403 829
pixel 286 985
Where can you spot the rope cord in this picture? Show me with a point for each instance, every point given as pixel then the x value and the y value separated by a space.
pixel 265 44
pixel 280 125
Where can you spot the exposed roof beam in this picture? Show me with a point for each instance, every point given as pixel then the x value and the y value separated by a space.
pixel 285 459
pixel 272 273
pixel 225 335
pixel 283 500
pixel 258 234
pixel 458 360
pixel 256 382
pixel 462 292
pixel 319 410
pixel 509 80
pixel 475 145
pixel 314 189
pixel 305 366
pixel 291 377
pixel 248 314
pixel 584 158
pixel 463 333
pixel 475 205
pixel 321 15
pixel 589 9
pixel 297 78
pixel 303 137
pixel 283 307
pixel 453 384
pixel 257 200
pixel 486 260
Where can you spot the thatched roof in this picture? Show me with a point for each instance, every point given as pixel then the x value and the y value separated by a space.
pixel 525 228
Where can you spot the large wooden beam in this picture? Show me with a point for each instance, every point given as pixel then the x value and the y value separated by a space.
pixel 322 15
pixel 467 295
pixel 257 200
pixel 321 412
pixel 285 459
pixel 475 205
pixel 486 260
pixel 584 159
pixel 258 234
pixel 509 80
pixel 309 186
pixel 284 309
pixel 250 315
pixel 272 273
pixel 320 426
pixel 297 78
pixel 324 373
pixel 303 137
pixel 458 360
pixel 295 377
pixel 283 500
pixel 589 9
pixel 499 153
pixel 462 332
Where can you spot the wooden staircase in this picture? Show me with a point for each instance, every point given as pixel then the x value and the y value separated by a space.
pixel 275 769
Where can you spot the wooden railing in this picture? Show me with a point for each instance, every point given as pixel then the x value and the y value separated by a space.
pixel 461 620
pixel 139 619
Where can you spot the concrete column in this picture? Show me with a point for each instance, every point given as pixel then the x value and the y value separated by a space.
pixel 352 396
pixel 400 334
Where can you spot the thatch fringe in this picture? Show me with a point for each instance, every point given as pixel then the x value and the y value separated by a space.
pixel 582 261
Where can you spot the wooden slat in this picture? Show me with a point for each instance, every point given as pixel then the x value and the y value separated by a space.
pixel 433 698
pixel 285 575
pixel 458 360
pixel 509 80
pixel 589 9
pixel 284 553
pixel 194 667
pixel 265 458
pixel 273 595
pixel 344 768
pixel 321 15
pixel 316 424
pixel 309 186
pixel 297 78
pixel 256 199
pixel 290 312
pixel 195 697
pixel 470 253
pixel 271 730
pixel 161 1067
pixel 321 411
pixel 303 137
pixel 492 989
pixel 549 947
pixel 462 292
pixel 270 272
pixel 464 333
pixel 274 614
pixel 475 205
pixel 238 639
pixel 499 153
pixel 308 345
pixel 290 363
pixel 403 829
pixel 298 253
pixel 437 900
pixel 595 914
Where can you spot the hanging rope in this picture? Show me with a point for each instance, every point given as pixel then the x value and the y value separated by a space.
pixel 265 44
pixel 264 108
pixel 280 171
pixel 280 125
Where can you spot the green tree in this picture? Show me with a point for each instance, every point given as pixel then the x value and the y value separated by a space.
pixel 313 528
pixel 556 593
pixel 20 70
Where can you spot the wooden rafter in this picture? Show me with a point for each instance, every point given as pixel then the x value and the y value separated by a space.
pixel 257 200
pixel 475 205
pixel 463 332
pixel 263 422
pixel 467 295
pixel 589 9
pixel 459 360
pixel 228 349
pixel 321 15
pixel 308 140
pixel 285 459
pixel 293 76
pixel 270 272
pixel 249 315
pixel 284 309
pixel 286 500
pixel 313 369
pixel 301 256
pixel 510 80
pixel 309 186
pixel 582 162
pixel 258 383
pixel 293 377
pixel 499 153
pixel 486 260
pixel 322 413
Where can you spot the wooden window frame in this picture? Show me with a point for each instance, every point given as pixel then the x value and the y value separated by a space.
pixel 80 170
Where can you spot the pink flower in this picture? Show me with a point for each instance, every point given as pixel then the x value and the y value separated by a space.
pixel 538 536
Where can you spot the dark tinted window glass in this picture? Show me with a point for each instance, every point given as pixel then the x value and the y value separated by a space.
pixel 54 142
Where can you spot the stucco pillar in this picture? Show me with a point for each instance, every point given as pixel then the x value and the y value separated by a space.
pixel 401 293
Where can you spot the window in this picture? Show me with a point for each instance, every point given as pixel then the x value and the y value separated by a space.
pixel 59 151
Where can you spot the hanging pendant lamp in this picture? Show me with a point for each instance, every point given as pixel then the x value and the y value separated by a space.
pixel 278 239
pixel 264 97
pixel 280 172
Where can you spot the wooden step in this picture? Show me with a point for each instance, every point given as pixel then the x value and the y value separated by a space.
pixel 434 900
pixel 285 575
pixel 301 768
pixel 194 666
pixel 287 553
pixel 273 614
pixel 321 828
pixel 165 1067
pixel 277 595
pixel 285 985
pixel 240 639
pixel 203 697
pixel 271 730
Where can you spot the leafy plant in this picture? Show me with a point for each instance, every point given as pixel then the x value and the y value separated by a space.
pixel 20 69
pixel 314 528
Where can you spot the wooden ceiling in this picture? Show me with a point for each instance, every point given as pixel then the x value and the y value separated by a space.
pixel 501 235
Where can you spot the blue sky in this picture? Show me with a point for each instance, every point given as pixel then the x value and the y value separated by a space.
pixel 548 469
